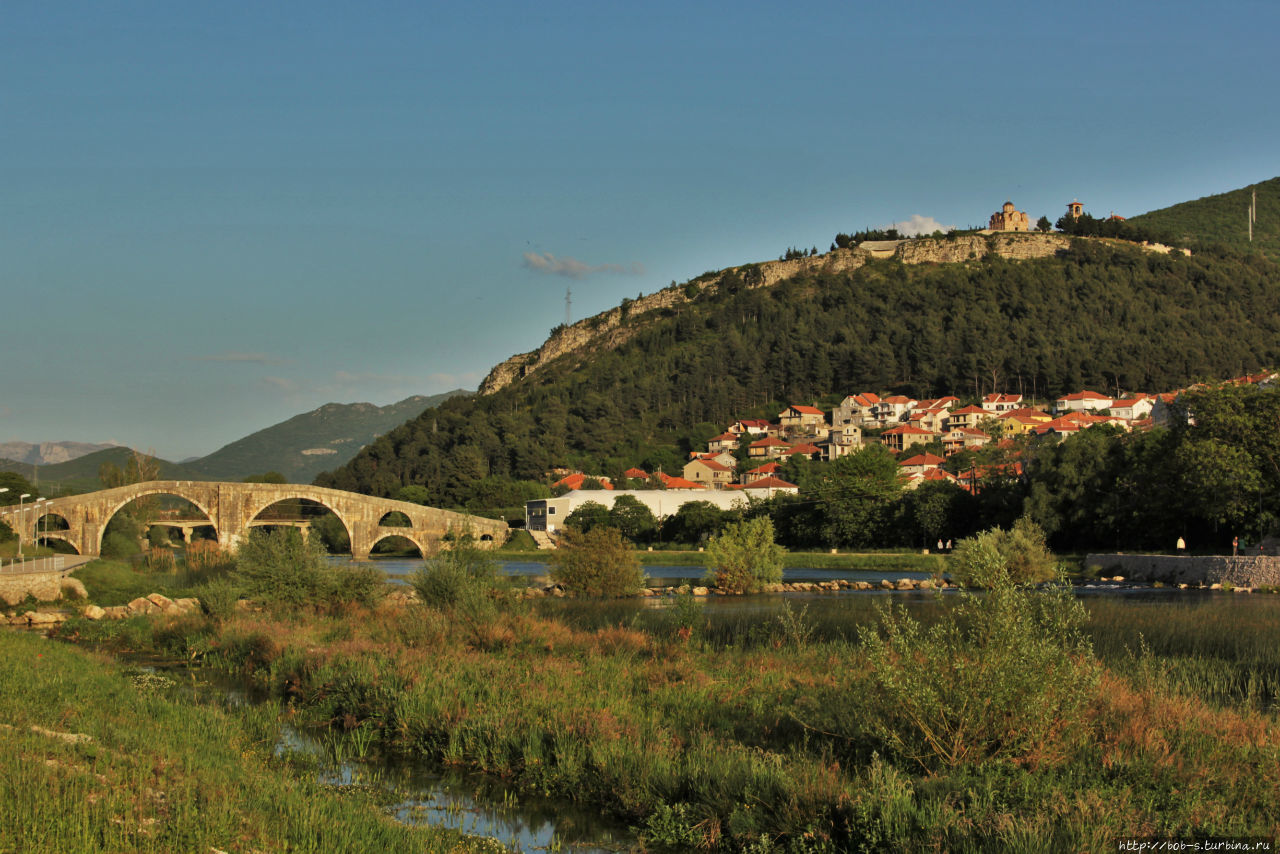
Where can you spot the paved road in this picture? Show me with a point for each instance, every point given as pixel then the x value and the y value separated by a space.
pixel 56 563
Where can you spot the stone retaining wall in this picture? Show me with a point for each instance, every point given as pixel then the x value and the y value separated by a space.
pixel 1252 571
pixel 44 586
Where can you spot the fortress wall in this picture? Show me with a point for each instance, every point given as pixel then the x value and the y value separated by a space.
pixel 1249 571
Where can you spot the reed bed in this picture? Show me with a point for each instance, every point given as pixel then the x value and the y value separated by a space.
pixel 94 758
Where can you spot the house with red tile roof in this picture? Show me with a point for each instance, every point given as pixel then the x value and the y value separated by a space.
pixel 843 439
pixel 750 426
pixel 767 448
pixel 955 441
pixel 708 473
pixel 767 470
pixel 797 420
pixel 670 482
pixel 636 474
pixel 997 403
pixel 856 409
pixel 898 439
pixel 892 409
pixel 575 481
pixel 919 464
pixel 967 417
pixel 767 487
pixel 813 452
pixel 1082 400
pixel 724 458
pixel 1132 408
pixel 723 442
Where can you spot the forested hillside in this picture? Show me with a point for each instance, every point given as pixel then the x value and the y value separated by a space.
pixel 1222 219
pixel 1098 315
pixel 307 444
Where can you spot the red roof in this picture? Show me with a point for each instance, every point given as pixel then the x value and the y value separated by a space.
pixel 866 398
pixel 681 483
pixel 937 474
pixel 906 430
pixel 724 437
pixel 968 431
pixel 575 481
pixel 803 449
pixel 1024 412
pixel 636 473
pixel 922 460
pixel 1084 395
pixel 752 422
pixel 1002 398
pixel 897 398
pixel 769 442
pixel 713 465
pixel 767 468
pixel 766 483
pixel 806 410
pixel 971 410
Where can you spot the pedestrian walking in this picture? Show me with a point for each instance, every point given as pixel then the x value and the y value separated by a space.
pixel 1182 544
pixel 1235 546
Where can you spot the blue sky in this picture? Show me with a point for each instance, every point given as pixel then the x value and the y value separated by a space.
pixel 216 216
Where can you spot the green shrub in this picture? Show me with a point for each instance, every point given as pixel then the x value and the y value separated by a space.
pixel 1006 675
pixel 598 562
pixel 218 597
pixel 1018 555
pixel 283 568
pixel 744 556
pixel 454 574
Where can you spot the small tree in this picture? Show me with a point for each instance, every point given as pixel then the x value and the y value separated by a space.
pixel 633 519
pixel 1016 556
pixel 588 516
pixel 596 563
pixel 1043 224
pixel 744 556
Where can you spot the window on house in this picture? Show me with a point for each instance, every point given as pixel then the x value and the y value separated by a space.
pixel 551 511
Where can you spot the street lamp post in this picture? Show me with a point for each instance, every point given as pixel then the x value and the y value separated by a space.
pixel 23 497
pixel 3 489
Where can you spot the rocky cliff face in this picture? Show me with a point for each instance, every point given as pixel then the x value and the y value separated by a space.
pixel 607 330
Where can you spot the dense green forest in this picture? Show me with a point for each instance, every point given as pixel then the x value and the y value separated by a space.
pixel 1100 315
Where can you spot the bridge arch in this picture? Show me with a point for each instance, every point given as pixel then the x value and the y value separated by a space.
pixel 302 493
pixel 406 536
pixel 142 490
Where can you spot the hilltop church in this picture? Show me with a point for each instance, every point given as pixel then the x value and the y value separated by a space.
pixel 1009 219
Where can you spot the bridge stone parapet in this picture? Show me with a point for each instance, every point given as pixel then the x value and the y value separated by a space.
pixel 1243 571
pixel 232 507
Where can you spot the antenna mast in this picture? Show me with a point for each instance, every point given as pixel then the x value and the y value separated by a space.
pixel 568 304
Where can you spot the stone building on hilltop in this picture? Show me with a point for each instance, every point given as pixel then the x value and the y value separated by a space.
pixel 1009 219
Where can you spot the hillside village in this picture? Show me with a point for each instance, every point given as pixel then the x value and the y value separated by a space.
pixel 747 460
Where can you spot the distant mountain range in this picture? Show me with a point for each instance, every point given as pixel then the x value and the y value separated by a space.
pixel 48 453
pixel 314 441
pixel 299 448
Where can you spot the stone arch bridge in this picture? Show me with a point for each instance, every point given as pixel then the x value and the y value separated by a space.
pixel 232 509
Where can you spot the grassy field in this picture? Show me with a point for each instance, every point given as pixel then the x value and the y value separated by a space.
pixel 768 740
pixel 96 758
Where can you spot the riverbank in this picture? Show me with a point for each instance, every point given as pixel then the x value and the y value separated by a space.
pixel 99 757
pixel 870 561
pixel 764 737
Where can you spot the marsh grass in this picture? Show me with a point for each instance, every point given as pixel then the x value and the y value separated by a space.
pixel 93 759
pixel 765 734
